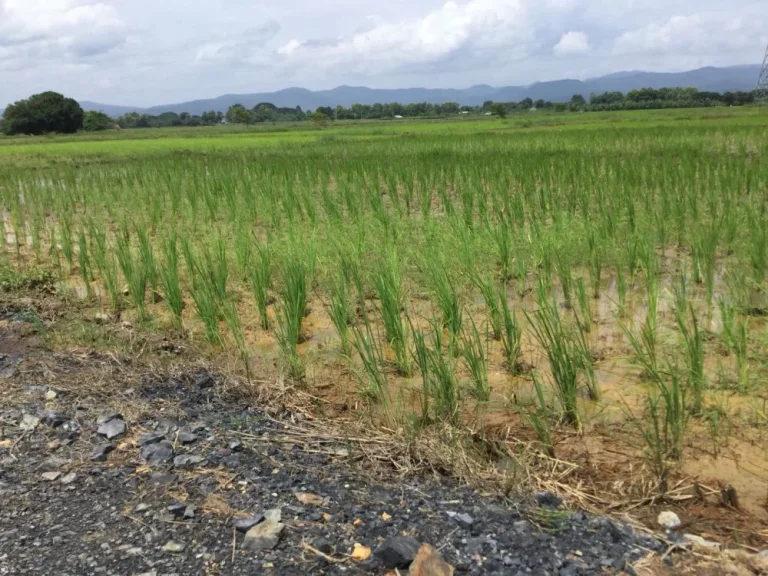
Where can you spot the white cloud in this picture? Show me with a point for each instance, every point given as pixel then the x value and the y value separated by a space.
pixel 236 47
pixel 696 33
pixel 572 43
pixel 477 30
pixel 37 32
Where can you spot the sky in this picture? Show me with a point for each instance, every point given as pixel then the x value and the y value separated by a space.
pixel 146 52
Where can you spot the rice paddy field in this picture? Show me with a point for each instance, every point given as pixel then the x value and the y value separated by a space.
pixel 582 295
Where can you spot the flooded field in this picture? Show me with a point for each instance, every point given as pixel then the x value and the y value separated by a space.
pixel 592 295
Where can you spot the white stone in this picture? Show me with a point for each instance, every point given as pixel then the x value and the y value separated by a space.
pixel 29 422
pixel 668 520
pixel 701 543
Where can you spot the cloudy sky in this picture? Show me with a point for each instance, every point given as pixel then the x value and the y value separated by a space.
pixel 144 52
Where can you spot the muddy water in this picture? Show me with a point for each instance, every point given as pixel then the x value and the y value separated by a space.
pixel 741 462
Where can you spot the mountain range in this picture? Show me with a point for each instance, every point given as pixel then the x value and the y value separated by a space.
pixel 733 78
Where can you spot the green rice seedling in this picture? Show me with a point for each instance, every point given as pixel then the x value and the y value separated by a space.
pixel 704 251
pixel 288 333
pixel 621 290
pixel 389 289
pixel 564 359
pixel 758 246
pixel 440 391
pixel 444 385
pixel 596 262
pixel 105 263
pixel 584 314
pixel 502 239
pixel 339 310
pixel 203 293
pixel 147 257
pixel 37 225
pixel 421 355
pixel 718 423
pixel 215 269
pixel 632 257
pixel 522 272
pixel 82 257
pixel 4 237
pixel 134 272
pixel 680 293
pixel 664 426
pixel 294 289
pixel 539 420
pixel 290 313
pixel 169 278
pixel 243 251
pixel 475 357
pixel 65 236
pixel 693 344
pixel 644 347
pixel 373 379
pixel 352 270
pixel 566 280
pixel 734 335
pixel 583 348
pixel 511 334
pixel 447 298
pixel 232 319
pixel 491 298
pixel 260 277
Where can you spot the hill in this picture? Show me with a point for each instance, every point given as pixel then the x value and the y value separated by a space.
pixel 734 78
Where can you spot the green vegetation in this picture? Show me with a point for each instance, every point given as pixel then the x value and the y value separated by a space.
pixel 396 261
pixel 41 113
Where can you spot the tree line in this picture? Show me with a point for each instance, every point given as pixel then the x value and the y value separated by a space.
pixel 52 112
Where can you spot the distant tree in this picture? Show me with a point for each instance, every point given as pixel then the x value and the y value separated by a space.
pixel 450 108
pixel 499 109
pixel 239 114
pixel 540 103
pixel 264 112
pixel 319 118
pixel 488 106
pixel 525 104
pixel 45 112
pixel 577 102
pixel 95 121
pixel 168 119
pixel 211 117
pixel 327 111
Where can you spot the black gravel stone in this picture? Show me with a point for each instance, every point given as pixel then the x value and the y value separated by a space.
pixel 99 453
pixel 398 552
pixel 157 454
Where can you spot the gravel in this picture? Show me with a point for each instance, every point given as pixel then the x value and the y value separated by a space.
pixel 143 508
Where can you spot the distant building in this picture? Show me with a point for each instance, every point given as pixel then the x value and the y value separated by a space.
pixel 488 114
pixel 533 109
pixel 398 116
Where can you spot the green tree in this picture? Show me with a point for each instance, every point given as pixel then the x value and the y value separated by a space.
pixel 577 102
pixel 95 121
pixel 41 113
pixel 319 118
pixel 450 108
pixel 211 117
pixel 499 109
pixel 239 114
